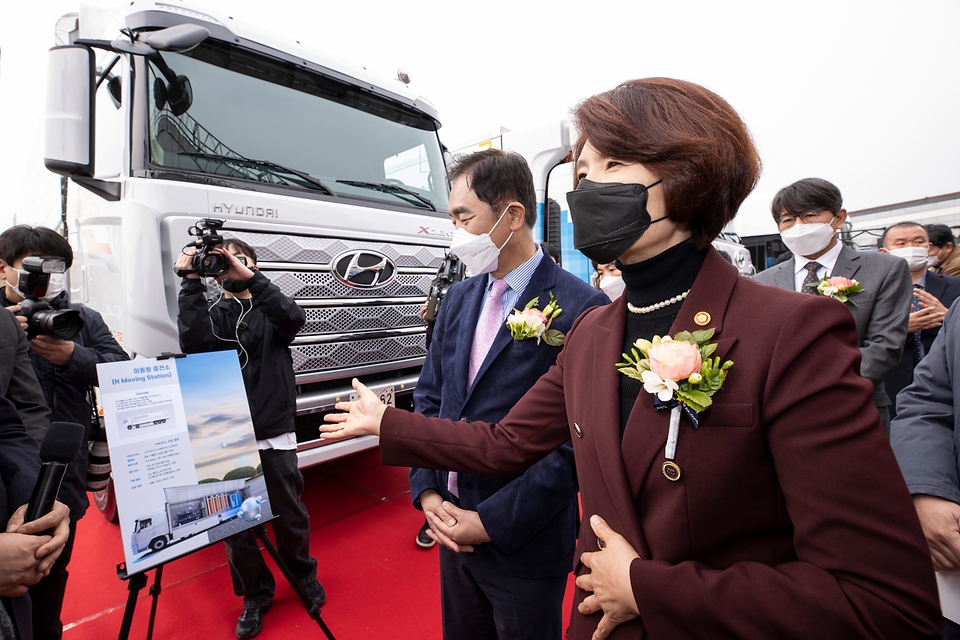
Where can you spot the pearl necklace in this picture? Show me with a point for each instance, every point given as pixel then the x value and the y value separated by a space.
pixel 659 305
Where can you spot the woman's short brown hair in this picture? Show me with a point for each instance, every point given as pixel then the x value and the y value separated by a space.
pixel 688 136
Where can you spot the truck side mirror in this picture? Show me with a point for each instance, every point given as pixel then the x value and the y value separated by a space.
pixel 68 128
pixel 178 95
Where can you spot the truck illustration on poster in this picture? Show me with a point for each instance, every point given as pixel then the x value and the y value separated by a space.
pixel 196 508
pixel 185 461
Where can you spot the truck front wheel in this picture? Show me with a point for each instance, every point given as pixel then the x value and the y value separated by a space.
pixel 158 543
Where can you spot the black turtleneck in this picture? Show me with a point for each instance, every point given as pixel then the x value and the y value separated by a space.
pixel 654 280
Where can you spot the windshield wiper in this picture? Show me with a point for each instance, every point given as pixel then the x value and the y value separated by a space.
pixel 264 164
pixel 387 187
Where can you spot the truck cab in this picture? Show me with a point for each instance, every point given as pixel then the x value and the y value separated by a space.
pixel 162 114
pixel 150 532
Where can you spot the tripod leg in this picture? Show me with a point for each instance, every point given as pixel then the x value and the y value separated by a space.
pixel 312 609
pixel 135 584
pixel 154 595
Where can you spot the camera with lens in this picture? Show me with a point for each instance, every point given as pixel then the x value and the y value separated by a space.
pixel 42 319
pixel 449 273
pixel 205 263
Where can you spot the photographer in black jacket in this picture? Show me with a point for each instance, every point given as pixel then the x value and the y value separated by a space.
pixel 254 318
pixel 65 369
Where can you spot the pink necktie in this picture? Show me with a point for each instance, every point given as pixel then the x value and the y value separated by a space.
pixel 487 327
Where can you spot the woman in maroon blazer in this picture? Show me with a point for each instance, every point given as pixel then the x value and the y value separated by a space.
pixel 782 513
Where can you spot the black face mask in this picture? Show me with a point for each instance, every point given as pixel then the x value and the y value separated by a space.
pixel 233 286
pixel 608 217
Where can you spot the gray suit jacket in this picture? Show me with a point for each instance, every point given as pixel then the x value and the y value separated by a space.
pixel 924 435
pixel 18 382
pixel 882 309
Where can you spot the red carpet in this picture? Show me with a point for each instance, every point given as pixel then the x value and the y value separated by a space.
pixel 379 583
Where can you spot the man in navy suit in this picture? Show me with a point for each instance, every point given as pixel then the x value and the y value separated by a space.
pixel 506 543
pixel 933 294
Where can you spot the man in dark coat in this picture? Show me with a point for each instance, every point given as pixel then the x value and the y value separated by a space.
pixel 926 441
pixel 18 378
pixel 932 295
pixel 25 556
pixel 66 370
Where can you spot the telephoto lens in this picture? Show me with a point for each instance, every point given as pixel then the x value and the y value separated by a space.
pixel 42 320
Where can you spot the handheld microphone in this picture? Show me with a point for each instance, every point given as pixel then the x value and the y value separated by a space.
pixel 60 447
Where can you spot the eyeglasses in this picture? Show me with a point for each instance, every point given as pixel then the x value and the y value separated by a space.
pixel 805 217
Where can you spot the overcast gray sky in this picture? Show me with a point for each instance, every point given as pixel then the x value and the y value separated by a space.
pixel 864 94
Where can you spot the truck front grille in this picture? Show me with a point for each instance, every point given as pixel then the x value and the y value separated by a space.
pixel 320 285
pixel 273 247
pixel 374 318
pixel 349 328
pixel 354 353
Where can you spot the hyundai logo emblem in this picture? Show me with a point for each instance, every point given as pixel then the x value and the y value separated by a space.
pixel 363 269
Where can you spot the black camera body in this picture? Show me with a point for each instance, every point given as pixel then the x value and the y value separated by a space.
pixel 450 272
pixel 42 319
pixel 207 233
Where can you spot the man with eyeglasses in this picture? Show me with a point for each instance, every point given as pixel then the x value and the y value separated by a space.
pixel 808 214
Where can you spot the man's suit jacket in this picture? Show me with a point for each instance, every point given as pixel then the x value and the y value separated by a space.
pixel 882 309
pixel 924 434
pixel 531 517
pixel 19 467
pixel 790 518
pixel 946 289
pixel 18 382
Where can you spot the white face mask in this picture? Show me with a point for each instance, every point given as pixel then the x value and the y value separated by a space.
pixel 13 296
pixel 478 252
pixel 613 286
pixel 808 239
pixel 56 285
pixel 916 257
pixel 934 260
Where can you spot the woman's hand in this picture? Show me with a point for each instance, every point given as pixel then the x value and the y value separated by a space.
pixel 608 580
pixel 362 417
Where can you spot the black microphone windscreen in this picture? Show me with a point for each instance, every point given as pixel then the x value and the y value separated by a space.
pixel 62 442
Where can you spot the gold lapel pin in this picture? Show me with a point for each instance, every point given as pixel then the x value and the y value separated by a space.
pixel 671 470
pixel 702 318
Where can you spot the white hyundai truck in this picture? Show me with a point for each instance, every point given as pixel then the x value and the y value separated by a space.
pixel 165 113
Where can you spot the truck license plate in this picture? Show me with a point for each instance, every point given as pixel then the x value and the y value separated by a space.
pixel 384 393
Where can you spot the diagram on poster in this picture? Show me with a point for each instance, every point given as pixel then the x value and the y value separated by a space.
pixel 186 469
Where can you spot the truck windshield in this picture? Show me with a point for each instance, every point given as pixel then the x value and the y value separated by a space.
pixel 225 111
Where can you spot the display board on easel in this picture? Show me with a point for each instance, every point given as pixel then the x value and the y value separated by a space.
pixel 186 468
